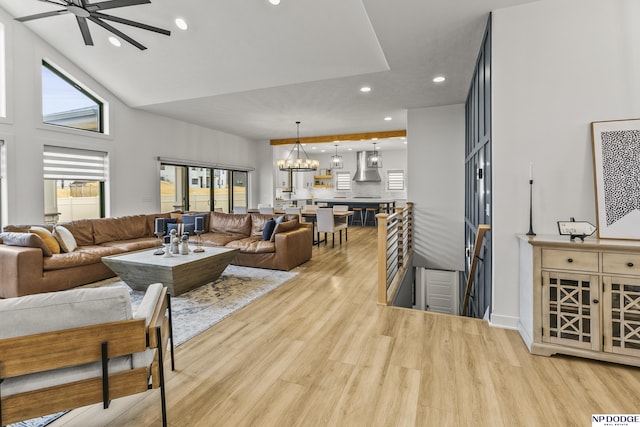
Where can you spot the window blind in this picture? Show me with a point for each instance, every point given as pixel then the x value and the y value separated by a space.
pixel 343 180
pixel 395 180
pixel 74 164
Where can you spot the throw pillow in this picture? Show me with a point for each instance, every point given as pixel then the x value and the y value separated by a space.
pixel 25 240
pixel 174 226
pixel 284 226
pixel 190 229
pixel 47 237
pixel 280 219
pixel 268 229
pixel 65 238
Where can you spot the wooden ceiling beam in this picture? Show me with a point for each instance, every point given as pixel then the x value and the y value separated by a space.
pixel 344 137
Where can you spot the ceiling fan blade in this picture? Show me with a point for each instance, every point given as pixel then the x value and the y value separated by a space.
pixel 112 4
pixel 42 15
pixel 84 29
pixel 117 32
pixel 59 3
pixel 131 23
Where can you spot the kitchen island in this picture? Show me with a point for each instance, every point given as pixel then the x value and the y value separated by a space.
pixel 359 202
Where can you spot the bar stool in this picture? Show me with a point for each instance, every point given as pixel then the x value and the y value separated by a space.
pixel 357 215
pixel 373 211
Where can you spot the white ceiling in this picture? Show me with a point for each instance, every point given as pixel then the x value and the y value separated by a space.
pixel 253 69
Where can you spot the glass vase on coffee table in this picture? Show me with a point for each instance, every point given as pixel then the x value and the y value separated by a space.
pixel 199 229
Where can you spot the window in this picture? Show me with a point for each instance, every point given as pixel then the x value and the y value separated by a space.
pixel 3 70
pixel 66 103
pixel 74 184
pixel 395 180
pixel 343 180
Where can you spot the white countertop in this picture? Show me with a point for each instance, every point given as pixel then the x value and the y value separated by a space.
pixel 354 200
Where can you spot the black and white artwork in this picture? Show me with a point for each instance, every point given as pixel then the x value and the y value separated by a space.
pixel 616 159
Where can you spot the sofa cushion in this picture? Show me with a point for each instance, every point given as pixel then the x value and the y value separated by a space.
pixel 55 311
pixel 285 226
pixel 230 223
pixel 119 228
pixel 47 237
pixel 65 239
pixel 83 255
pixel 133 244
pixel 258 222
pixel 82 230
pixel 219 239
pixel 252 245
pixel 27 240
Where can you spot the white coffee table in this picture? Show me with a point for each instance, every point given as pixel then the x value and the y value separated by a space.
pixel 180 273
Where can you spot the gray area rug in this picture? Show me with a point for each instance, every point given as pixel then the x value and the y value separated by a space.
pixel 199 309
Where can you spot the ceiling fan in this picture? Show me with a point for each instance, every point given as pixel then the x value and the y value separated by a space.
pixel 84 10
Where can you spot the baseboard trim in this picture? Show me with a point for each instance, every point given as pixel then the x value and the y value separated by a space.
pixel 504 322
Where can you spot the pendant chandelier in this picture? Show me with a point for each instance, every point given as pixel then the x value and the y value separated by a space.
pixel 295 162
pixel 374 159
pixel 336 160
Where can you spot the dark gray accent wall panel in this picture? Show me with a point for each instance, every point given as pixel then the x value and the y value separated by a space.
pixel 478 178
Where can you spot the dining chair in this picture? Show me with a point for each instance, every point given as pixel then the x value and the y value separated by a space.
pixel 294 211
pixel 239 209
pixel 326 224
pixel 266 209
pixel 310 207
pixel 341 208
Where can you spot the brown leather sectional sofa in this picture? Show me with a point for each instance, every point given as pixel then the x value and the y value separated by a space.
pixel 26 270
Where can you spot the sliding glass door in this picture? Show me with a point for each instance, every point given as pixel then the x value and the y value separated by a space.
pixel 192 188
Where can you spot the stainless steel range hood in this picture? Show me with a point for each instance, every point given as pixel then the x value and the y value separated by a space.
pixel 363 173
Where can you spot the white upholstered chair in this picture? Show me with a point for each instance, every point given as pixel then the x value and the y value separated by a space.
pixel 326 224
pixel 294 211
pixel 239 209
pixel 266 209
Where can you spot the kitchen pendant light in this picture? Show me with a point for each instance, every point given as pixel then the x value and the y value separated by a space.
pixel 336 160
pixel 374 159
pixel 295 162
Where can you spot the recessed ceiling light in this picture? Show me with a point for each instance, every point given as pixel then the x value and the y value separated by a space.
pixel 350 149
pixel 322 151
pixel 405 142
pixel 439 79
pixel 387 118
pixel 181 23
pixel 274 2
pixel 114 41
pixel 313 148
pixel 365 89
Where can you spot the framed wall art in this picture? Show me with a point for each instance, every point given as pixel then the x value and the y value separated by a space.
pixel 616 165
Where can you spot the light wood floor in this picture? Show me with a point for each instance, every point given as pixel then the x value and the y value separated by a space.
pixel 319 351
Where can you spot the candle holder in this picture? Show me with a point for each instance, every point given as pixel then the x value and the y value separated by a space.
pixel 530 232
pixel 159 250
pixel 199 247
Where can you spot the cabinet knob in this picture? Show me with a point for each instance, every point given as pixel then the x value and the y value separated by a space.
pixel 629 264
pixel 570 260
pixel 595 301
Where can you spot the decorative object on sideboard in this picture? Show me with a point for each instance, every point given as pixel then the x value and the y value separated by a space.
pixel 295 161
pixel 573 228
pixel 530 232
pixel 616 165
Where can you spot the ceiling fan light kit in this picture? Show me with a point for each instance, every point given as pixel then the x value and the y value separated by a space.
pixel 84 11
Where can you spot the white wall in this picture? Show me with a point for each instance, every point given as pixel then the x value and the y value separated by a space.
pixel 436 185
pixel 557 66
pixel 136 138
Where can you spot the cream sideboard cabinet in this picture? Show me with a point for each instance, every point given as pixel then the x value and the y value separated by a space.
pixel 580 298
